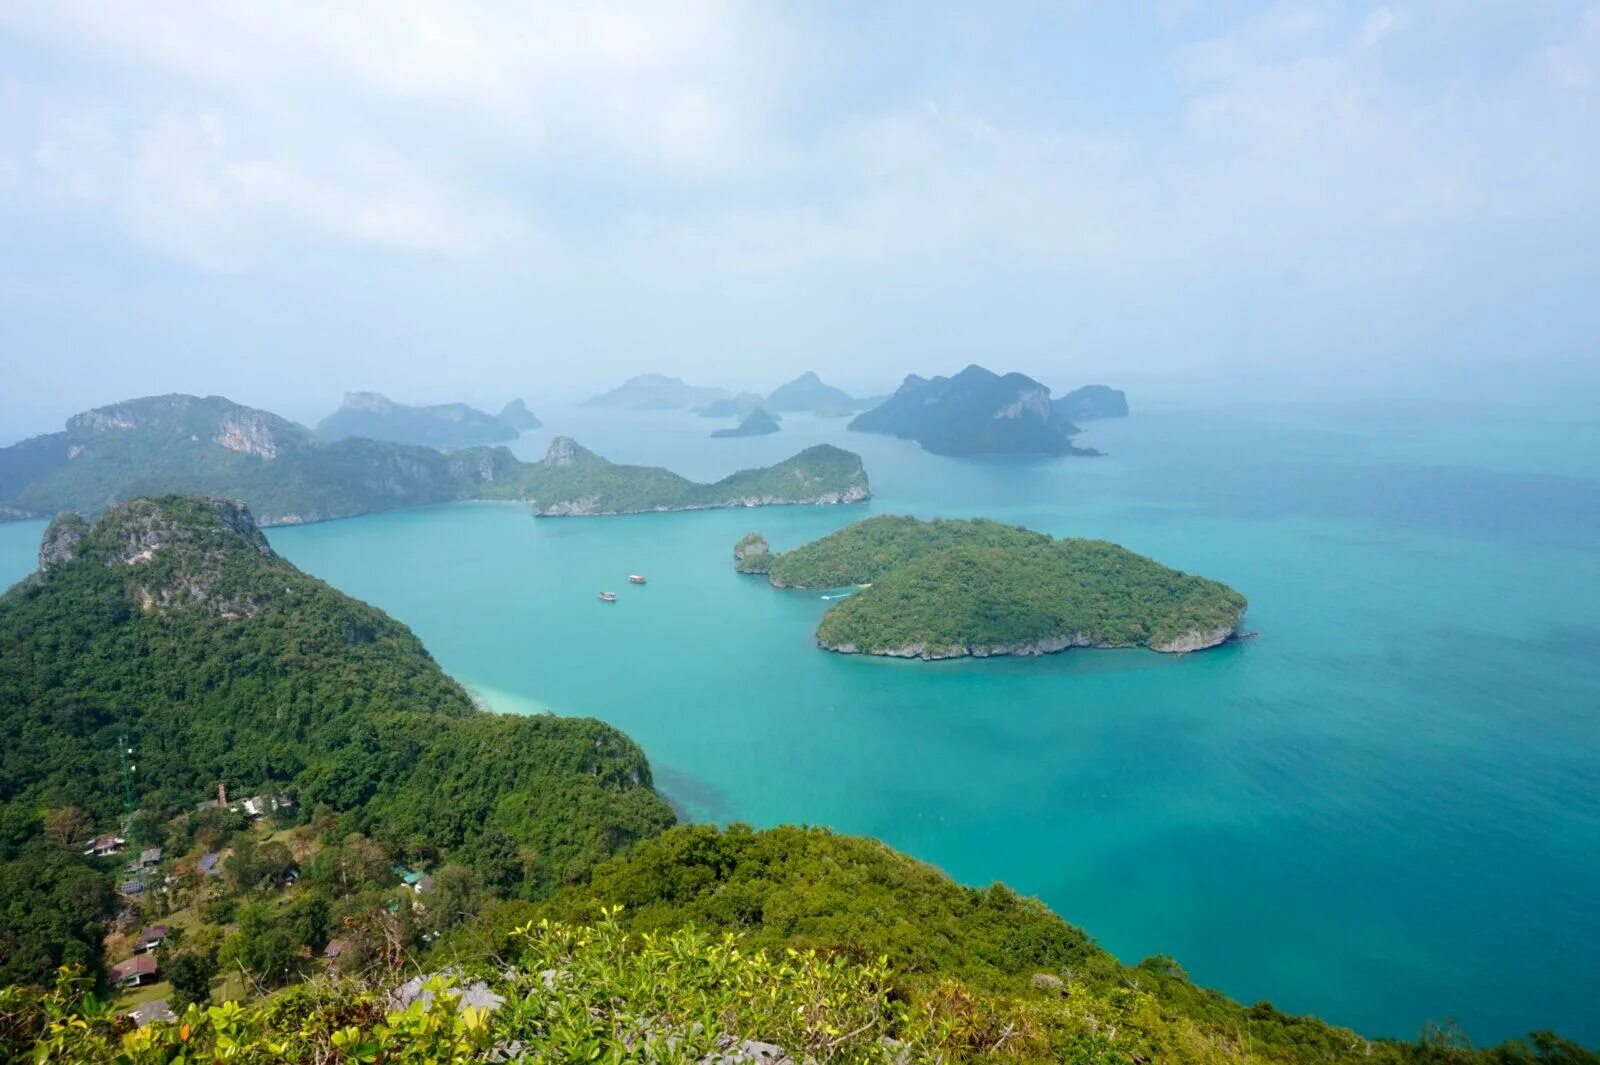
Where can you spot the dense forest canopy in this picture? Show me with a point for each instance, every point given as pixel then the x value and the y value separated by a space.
pixel 170 622
pixel 946 588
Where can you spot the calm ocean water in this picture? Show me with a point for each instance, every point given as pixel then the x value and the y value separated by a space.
pixel 1384 810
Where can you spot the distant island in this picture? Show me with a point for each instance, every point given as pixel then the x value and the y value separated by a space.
pixel 573 481
pixel 517 415
pixel 948 589
pixel 739 406
pixel 445 425
pixel 976 412
pixel 289 475
pixel 757 423
pixel 1091 402
pixel 653 391
pixel 808 392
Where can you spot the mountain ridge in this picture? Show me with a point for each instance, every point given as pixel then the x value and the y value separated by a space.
pixel 288 475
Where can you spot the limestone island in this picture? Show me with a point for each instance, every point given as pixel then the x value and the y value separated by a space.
pixel 949 589
pixel 290 475
pixel 373 416
pixel 573 481
pixel 980 413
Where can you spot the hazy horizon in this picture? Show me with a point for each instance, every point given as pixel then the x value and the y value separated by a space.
pixel 1194 202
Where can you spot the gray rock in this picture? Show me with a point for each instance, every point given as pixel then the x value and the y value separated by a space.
pixel 62 539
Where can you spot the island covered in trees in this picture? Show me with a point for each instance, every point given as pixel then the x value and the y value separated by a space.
pixel 948 589
pixel 574 481
pixel 289 475
pixel 978 412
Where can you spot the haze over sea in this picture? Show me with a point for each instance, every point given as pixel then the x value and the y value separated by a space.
pixel 1384 810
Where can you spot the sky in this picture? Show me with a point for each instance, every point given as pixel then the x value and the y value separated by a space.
pixel 457 200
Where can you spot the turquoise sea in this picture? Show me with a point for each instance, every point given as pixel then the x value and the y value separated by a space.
pixel 1384 810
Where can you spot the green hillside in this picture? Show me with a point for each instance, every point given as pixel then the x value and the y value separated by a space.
pixel 170 622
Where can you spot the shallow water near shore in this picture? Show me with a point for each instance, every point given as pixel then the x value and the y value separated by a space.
pixel 1384 810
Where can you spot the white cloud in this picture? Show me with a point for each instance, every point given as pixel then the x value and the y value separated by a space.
pixel 691 137
pixel 179 182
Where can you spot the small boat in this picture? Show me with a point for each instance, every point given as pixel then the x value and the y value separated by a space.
pixel 608 597
pixel 636 578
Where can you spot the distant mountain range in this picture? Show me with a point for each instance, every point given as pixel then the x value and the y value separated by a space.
pixel 289 475
pixel 653 391
pixel 978 412
pixel 444 425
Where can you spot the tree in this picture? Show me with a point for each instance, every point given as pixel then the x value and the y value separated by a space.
pixel 190 973
pixel 262 946
pixel 499 862
pixel 252 864
pixel 307 922
pixel 457 893
pixel 68 825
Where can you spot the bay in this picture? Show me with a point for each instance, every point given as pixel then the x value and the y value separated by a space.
pixel 1384 810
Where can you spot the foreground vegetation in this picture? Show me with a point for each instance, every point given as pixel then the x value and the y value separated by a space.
pixel 939 589
pixel 560 992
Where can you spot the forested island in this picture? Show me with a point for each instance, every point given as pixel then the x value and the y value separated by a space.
pixel 289 475
pixel 948 589
pixel 405 856
pixel 975 412
pixel 574 481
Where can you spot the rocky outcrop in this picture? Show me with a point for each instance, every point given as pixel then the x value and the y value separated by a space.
pixel 102 420
pixel 138 530
pixel 248 434
pixel 62 538
pixel 752 554
pixel 376 402
pixel 565 451
pixel 1191 641
pixel 1033 401
pixel 1197 641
